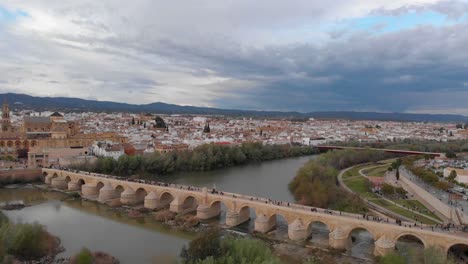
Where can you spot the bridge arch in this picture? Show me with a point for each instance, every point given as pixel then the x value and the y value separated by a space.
pixel 408 237
pixel 280 217
pixel 99 185
pixel 246 213
pixel 458 252
pixel 361 241
pixel 252 211
pixel 141 194
pixel 165 199
pixel 319 231
pixel 68 179
pixel 189 202
pixel 119 189
pixel 223 204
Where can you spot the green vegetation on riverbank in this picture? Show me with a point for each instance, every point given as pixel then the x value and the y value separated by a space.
pixel 316 182
pixel 24 241
pixel 410 255
pixel 378 171
pixel 459 145
pixel 203 158
pixel 403 212
pixel 211 248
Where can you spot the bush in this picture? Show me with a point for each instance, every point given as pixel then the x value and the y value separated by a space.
pixel 206 245
pixel 210 248
pixel 84 257
pixel 25 241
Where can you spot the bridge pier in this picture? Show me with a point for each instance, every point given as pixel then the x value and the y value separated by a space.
pixel 48 179
pixel 89 190
pixel 106 193
pixel 338 239
pixel 176 206
pixel 151 201
pixel 59 183
pixel 263 224
pixel 74 186
pixel 206 212
pixel 128 197
pixel 234 218
pixel 383 246
pixel 297 231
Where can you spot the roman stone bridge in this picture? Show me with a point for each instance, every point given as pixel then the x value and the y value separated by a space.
pixel 207 204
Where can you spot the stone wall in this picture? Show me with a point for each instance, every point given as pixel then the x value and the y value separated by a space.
pixel 23 175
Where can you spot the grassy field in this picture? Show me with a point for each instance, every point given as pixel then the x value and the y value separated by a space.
pixel 376 171
pixel 402 211
pixel 415 203
pixel 354 171
pixel 358 185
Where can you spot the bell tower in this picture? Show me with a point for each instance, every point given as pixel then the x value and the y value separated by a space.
pixel 6 122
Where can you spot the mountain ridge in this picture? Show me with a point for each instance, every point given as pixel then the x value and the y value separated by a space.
pixel 23 101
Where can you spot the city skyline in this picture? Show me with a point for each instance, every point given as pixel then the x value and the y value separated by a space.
pixel 403 56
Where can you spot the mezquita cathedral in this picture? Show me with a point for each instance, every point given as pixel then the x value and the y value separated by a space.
pixel 44 139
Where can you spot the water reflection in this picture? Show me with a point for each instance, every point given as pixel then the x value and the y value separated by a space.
pixel 268 179
pixel 80 223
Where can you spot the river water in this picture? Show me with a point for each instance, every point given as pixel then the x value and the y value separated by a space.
pixel 80 223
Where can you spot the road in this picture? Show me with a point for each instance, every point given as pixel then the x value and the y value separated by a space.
pixel 439 194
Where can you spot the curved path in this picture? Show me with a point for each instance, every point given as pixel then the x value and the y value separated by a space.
pixel 397 204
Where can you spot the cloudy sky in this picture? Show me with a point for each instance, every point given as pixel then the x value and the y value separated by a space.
pixel 302 55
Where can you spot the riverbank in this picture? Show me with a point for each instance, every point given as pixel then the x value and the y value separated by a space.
pixel 27 243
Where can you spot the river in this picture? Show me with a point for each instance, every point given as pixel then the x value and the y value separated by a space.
pixel 80 223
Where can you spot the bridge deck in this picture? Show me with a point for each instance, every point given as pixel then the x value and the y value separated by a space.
pixel 262 201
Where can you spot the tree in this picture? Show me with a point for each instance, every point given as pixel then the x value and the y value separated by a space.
pixel 208 244
pixel 210 248
pixel 84 257
pixel 207 129
pixel 387 189
pixel 160 122
pixel 452 176
pixel 450 154
pixel 133 121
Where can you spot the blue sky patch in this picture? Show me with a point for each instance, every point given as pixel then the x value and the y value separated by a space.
pixel 7 15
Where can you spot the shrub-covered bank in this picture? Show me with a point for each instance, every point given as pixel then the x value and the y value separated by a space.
pixel 203 158
pixel 25 241
pixel 316 182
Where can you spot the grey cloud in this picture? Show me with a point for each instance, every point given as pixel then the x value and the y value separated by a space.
pixel 146 40
pixel 453 9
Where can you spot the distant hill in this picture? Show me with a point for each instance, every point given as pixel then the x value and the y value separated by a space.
pixel 22 101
